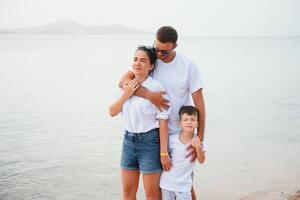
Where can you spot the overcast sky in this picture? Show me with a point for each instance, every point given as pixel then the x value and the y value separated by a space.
pixel 190 17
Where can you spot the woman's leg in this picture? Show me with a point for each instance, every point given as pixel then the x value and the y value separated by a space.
pixel 151 186
pixel 130 183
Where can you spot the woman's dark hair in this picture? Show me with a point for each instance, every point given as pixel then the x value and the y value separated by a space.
pixel 150 51
pixel 167 34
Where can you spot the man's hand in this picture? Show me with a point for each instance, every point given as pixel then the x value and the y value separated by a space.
pixel 158 100
pixel 166 162
pixel 191 152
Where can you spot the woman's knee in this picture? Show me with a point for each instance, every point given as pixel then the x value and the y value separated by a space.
pixel 129 195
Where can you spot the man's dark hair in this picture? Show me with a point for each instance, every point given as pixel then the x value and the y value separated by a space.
pixel 189 110
pixel 167 34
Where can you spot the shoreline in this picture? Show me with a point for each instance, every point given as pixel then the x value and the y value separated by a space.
pixel 283 194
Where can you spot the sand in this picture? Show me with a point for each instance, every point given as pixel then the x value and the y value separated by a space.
pixel 274 195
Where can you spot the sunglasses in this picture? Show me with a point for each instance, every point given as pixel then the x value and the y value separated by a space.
pixel 163 52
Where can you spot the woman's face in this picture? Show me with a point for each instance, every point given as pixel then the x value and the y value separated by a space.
pixel 141 63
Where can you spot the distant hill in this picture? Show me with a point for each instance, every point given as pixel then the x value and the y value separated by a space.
pixel 71 27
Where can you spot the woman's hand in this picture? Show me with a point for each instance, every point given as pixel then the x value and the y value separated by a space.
pixel 166 162
pixel 130 87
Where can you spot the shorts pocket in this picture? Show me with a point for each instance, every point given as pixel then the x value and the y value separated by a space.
pixel 151 138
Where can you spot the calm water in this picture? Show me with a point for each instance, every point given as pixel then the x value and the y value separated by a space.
pixel 57 141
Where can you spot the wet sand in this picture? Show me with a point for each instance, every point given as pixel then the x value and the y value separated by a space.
pixel 288 194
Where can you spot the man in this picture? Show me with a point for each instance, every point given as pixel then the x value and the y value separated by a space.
pixel 183 84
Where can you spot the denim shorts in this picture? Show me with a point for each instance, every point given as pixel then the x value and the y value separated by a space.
pixel 141 151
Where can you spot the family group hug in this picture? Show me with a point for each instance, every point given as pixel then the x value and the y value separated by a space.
pixel 161 102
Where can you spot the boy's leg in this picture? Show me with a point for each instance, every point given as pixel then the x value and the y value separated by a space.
pixel 151 186
pixel 193 194
pixel 183 195
pixel 130 183
pixel 167 194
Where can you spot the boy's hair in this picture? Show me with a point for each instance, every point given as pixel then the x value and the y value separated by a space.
pixel 189 110
pixel 167 34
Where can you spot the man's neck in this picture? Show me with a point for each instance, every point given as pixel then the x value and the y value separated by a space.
pixel 170 57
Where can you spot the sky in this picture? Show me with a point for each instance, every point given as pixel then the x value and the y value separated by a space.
pixel 189 17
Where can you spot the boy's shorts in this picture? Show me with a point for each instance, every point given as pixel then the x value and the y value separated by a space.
pixel 172 195
pixel 141 151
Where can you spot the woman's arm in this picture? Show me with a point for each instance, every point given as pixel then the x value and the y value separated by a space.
pixel 128 90
pixel 164 139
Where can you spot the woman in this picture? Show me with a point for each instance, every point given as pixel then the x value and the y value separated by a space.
pixel 146 131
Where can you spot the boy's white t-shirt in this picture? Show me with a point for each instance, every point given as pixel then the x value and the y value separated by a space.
pixel 180 78
pixel 179 178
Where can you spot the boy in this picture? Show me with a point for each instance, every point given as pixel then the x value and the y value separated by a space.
pixel 177 183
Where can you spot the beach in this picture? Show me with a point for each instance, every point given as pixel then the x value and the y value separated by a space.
pixel 58 142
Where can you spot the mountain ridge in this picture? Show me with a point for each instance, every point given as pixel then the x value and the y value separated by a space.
pixel 66 26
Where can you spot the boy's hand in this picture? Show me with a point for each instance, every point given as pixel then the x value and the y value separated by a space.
pixel 166 162
pixel 158 100
pixel 130 87
pixel 195 142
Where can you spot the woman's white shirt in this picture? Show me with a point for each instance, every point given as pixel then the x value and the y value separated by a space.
pixel 140 115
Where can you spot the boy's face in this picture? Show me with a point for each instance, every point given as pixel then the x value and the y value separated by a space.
pixel 188 122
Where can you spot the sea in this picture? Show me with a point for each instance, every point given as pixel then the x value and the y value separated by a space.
pixel 57 141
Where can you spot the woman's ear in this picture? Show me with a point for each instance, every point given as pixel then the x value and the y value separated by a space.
pixel 151 67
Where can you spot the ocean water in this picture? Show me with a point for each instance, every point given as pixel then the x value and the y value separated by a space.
pixel 57 141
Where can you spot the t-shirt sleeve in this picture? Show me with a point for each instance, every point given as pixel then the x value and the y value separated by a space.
pixel 204 147
pixel 164 114
pixel 194 78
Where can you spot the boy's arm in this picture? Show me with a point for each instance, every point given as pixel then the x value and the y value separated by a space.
pixel 155 98
pixel 200 155
pixel 164 138
pixel 195 142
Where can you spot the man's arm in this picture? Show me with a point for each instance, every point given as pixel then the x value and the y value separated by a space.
pixel 199 104
pixel 156 98
pixel 128 76
pixel 164 138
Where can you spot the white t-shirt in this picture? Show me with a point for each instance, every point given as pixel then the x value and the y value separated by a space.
pixel 179 178
pixel 180 77
pixel 140 115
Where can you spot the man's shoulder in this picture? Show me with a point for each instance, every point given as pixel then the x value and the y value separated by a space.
pixel 183 58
